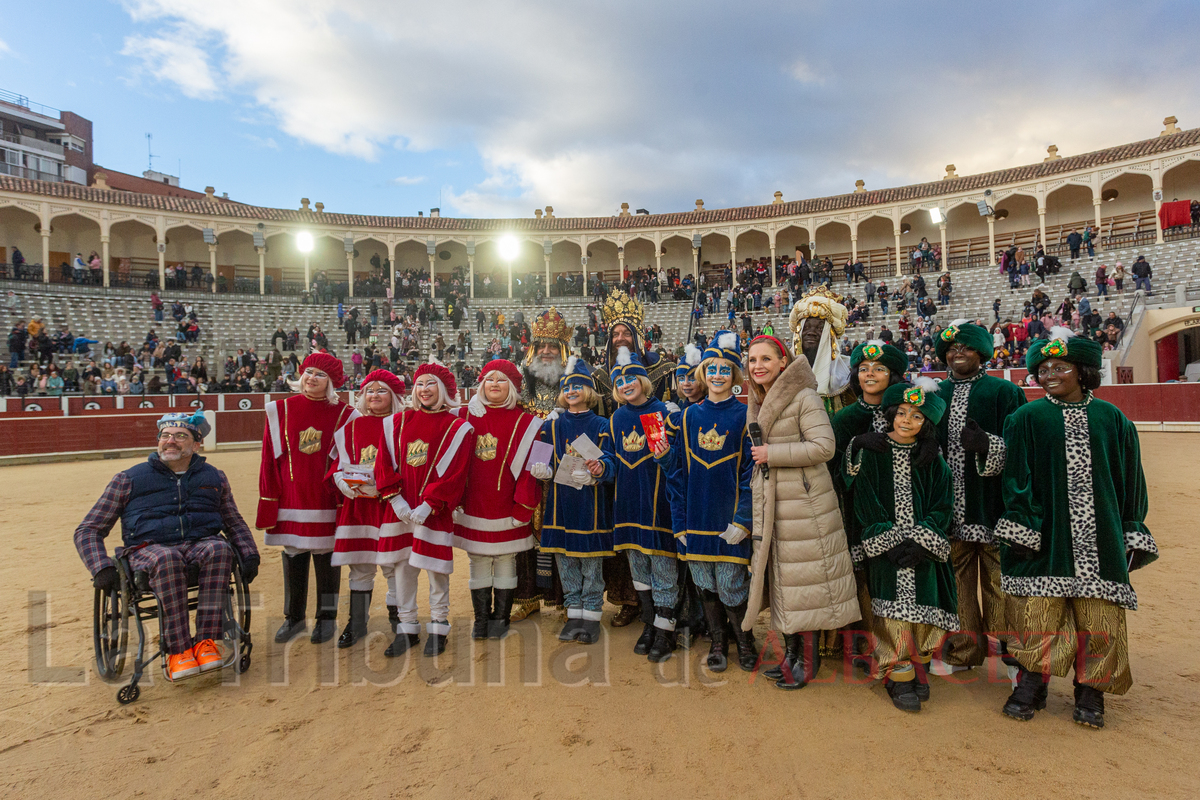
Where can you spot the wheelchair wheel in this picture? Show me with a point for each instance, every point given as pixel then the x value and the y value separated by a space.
pixel 110 631
pixel 128 694
pixel 244 663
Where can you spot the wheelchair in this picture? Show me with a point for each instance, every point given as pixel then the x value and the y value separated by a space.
pixel 132 600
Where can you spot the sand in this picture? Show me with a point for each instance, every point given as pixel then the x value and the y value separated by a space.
pixel 570 721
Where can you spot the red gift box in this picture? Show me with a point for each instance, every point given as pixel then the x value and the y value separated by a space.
pixel 652 424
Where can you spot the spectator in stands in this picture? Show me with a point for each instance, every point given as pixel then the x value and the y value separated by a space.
pixel 54 383
pixel 21 387
pixel 1101 281
pixel 156 304
pixel 18 262
pixel 17 339
pixel 96 268
pixel 6 381
pixel 121 380
pixel 1089 241
pixel 70 377
pixel 1141 274
pixel 944 289
pixel 1077 284
pixel 1074 242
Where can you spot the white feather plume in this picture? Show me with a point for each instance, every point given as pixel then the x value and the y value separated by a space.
pixel 691 355
pixel 571 365
pixel 876 342
pixel 928 384
pixel 957 322
pixel 727 341
pixel 1059 332
pixel 623 357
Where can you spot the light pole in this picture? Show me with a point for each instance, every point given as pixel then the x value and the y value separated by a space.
pixel 509 247
pixel 304 243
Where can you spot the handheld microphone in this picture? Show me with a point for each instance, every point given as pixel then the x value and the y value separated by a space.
pixel 755 432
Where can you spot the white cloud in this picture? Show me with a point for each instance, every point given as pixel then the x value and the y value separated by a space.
pixel 583 107
pixel 408 180
pixel 4 48
pixel 262 141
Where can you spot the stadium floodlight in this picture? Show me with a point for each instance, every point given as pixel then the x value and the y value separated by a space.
pixel 935 214
pixel 304 242
pixel 509 247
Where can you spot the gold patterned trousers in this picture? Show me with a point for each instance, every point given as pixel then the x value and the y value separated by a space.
pixel 1055 634
pixel 832 643
pixel 980 601
pixel 898 643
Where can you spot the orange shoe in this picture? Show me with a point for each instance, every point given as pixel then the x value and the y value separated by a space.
pixel 207 655
pixel 182 665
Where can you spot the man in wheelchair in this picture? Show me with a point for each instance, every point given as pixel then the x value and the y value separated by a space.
pixel 172 508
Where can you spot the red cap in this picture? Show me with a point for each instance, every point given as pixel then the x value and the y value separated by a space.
pixel 510 370
pixel 442 374
pixel 328 364
pixel 387 379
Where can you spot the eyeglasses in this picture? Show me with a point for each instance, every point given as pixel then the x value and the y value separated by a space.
pixel 174 437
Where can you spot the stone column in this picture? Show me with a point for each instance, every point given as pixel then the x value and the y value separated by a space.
pixel 1096 202
pixel 854 247
pixel 899 258
pixel 307 276
pixel 470 277
pixel 104 257
pixel 212 264
pixel 262 268
pixel 696 265
pixel 350 273
pixel 1042 225
pixel 1157 187
pixel 945 252
pixel 46 254
pixel 547 274
pixel 162 254
pixel 392 278
pixel 991 239
pixel 432 276
pixel 621 261
pixel 774 276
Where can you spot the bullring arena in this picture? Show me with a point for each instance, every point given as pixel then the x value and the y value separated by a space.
pixel 142 313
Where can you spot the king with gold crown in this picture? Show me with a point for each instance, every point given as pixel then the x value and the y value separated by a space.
pixel 625 319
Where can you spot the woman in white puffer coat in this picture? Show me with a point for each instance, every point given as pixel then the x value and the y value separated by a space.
pixel 800 550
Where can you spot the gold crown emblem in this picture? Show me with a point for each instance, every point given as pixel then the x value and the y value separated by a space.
pixel 570 451
pixel 416 454
pixel 711 440
pixel 633 442
pixel 310 441
pixel 485 447
pixel 915 396
pixel 551 325
pixel 620 307
pixel 366 456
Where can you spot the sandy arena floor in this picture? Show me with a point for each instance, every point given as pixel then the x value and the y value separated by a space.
pixel 319 722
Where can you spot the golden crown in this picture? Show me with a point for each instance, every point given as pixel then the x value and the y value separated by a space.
pixel 711 440
pixel 620 307
pixel 633 442
pixel 485 447
pixel 417 453
pixel 551 325
pixel 366 456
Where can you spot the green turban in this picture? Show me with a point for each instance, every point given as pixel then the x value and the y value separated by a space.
pixel 923 396
pixel 961 332
pixel 889 355
pixel 1075 349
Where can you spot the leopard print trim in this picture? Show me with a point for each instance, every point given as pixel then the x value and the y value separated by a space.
pixel 1080 501
pixel 929 615
pixel 857 554
pixel 936 545
pixel 957 456
pixel 853 461
pixel 981 534
pixel 902 484
pixel 1048 586
pixel 906 587
pixel 1015 532
pixel 1137 540
pixel 997 454
pixel 878 545
pixel 878 419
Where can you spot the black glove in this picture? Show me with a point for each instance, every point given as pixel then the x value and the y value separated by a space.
pixel 106 579
pixel 1021 551
pixel 975 438
pixel 905 555
pixel 871 441
pixel 250 568
pixel 926 452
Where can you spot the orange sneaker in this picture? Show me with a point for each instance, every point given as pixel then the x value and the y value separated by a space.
pixel 182 665
pixel 207 655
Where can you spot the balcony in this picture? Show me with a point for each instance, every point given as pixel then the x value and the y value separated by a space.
pixel 31 174
pixel 40 145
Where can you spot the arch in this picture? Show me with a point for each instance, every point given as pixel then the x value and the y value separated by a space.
pixel 19 228
pixel 368 246
pixel 602 259
pixel 921 226
pixel 753 243
pixel 133 251
pixel 1069 205
pixel 1182 181
pixel 791 238
pixel 73 233
pixel 639 254
pixel 714 249
pixel 564 260
pixel 1020 226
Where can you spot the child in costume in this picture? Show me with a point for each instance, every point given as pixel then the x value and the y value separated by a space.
pixel 641 508
pixel 904 502
pixel 710 467
pixel 492 524
pixel 422 473
pixel 577 523
pixel 1073 529
pixel 363 540
pixel 297 506
pixel 690 611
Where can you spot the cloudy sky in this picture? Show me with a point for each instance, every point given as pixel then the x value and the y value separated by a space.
pixel 496 108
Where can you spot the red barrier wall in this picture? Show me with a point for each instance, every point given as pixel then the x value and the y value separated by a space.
pixel 31 435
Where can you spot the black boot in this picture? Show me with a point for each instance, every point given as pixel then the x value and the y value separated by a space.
pixel 1089 706
pixel 922 680
pixel 435 640
pixel 714 615
pixel 329 583
pixel 393 618
pixel 356 628
pixel 776 672
pixel 646 602
pixel 747 650
pixel 295 596
pixel 589 628
pixel 801 660
pixel 481 601
pixel 903 694
pixel 1028 697
pixel 501 612
pixel 573 625
pixel 664 639
pixel 401 644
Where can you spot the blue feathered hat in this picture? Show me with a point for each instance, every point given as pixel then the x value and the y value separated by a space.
pixel 196 423
pixel 577 371
pixel 726 345
pixel 688 363
pixel 628 364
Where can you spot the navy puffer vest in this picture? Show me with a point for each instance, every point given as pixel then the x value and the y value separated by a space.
pixel 165 508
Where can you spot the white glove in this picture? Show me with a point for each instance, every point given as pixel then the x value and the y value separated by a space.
pixel 343 487
pixel 553 415
pixel 419 514
pixel 401 507
pixel 541 471
pixel 672 408
pixel 583 476
pixel 368 490
pixel 475 406
pixel 733 534
pixel 683 538
pixel 457 514
pixel 513 522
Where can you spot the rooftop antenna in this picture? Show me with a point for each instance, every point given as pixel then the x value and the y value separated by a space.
pixel 150 152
